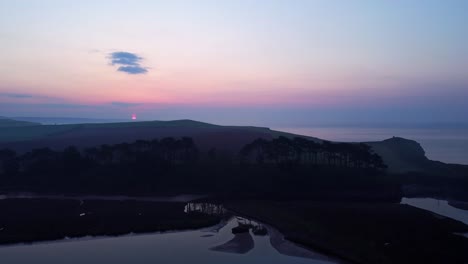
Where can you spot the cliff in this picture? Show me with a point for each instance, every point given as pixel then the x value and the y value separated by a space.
pixel 401 155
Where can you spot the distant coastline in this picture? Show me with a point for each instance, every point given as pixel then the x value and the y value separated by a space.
pixel 446 143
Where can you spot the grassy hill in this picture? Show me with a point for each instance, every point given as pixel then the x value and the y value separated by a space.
pixel 206 136
pixel 7 122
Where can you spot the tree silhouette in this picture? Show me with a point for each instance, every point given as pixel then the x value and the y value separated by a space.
pixel 286 152
pixel 9 164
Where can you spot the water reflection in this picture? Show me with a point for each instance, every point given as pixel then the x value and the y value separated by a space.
pixel 243 235
pixel 239 243
pixel 177 247
pixel 235 240
pixel 243 224
pixel 206 208
pixel 441 207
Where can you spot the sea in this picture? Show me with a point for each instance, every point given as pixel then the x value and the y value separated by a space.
pixel 446 144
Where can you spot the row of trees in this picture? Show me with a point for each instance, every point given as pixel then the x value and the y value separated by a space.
pixel 8 162
pixel 285 151
pixel 167 150
pixel 172 165
pixel 170 151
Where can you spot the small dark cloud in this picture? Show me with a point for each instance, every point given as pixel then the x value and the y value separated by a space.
pixel 132 69
pixel 125 58
pixel 124 104
pixel 128 62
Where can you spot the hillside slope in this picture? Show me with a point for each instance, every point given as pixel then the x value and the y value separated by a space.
pixel 206 136
pixel 7 122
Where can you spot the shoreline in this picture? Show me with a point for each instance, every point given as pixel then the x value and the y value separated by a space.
pixel 27 221
pixel 279 237
pixel 100 237
pixel 349 247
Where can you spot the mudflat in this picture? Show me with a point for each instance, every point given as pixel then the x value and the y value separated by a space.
pixel 364 232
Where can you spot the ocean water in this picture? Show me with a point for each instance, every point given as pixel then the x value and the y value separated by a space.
pixel 449 145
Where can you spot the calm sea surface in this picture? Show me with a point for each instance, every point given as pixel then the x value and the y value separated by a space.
pixel 443 144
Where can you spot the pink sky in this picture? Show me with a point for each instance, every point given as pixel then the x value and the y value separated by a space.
pixel 235 54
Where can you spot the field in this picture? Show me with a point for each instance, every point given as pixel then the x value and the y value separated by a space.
pixel 30 220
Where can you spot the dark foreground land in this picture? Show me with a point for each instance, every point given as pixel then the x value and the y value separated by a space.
pixel 356 232
pixel 340 198
pixel 31 220
pixel 364 232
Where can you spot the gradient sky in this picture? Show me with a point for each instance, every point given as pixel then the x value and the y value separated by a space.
pixel 239 62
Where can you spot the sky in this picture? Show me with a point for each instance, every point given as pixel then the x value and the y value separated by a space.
pixel 236 62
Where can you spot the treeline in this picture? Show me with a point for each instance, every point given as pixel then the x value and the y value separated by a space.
pixel 289 152
pixel 167 150
pixel 163 152
pixel 280 166
pixel 126 167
